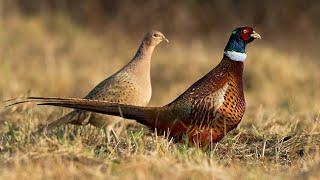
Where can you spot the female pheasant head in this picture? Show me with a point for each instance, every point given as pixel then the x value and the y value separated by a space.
pixel 153 38
pixel 239 38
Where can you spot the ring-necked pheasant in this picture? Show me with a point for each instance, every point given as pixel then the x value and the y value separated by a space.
pixel 205 112
pixel 130 85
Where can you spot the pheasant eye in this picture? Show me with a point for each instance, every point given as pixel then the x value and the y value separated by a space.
pixel 245 31
pixel 156 35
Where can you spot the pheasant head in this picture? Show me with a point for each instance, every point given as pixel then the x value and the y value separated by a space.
pixel 236 46
pixel 153 38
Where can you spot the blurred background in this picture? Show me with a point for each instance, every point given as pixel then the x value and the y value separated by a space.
pixel 45 44
pixel 285 23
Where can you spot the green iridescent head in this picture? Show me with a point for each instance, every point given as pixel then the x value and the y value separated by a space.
pixel 240 37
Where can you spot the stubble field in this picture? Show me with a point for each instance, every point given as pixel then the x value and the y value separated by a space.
pixel 279 136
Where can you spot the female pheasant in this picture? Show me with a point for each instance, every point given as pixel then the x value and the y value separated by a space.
pixel 205 112
pixel 129 85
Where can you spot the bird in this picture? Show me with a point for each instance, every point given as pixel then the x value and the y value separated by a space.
pixel 129 85
pixel 204 113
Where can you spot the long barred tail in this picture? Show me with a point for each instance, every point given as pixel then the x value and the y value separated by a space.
pixel 144 115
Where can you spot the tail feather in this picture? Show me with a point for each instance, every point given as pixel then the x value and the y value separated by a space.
pixel 70 117
pixel 144 115
pixel 58 122
pixel 17 101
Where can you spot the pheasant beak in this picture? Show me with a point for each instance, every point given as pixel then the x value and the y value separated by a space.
pixel 255 35
pixel 164 38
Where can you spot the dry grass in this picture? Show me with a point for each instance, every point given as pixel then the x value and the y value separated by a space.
pixel 278 138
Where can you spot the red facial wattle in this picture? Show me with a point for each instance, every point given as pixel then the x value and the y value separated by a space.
pixel 245 33
pixel 244 36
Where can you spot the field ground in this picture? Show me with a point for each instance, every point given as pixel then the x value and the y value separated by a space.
pixel 278 138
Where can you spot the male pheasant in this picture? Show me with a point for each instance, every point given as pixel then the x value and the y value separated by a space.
pixel 205 112
pixel 130 85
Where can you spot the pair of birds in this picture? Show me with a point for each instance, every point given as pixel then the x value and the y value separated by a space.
pixel 205 112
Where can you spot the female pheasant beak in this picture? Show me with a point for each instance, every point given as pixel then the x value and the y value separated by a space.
pixel 255 35
pixel 164 38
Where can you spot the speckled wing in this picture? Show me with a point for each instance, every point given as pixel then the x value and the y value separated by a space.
pixel 204 109
pixel 204 97
pixel 120 88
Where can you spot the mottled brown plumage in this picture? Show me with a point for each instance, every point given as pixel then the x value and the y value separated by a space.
pixel 130 85
pixel 217 103
pixel 205 112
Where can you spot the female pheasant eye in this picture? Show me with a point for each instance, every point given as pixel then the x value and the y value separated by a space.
pixel 156 35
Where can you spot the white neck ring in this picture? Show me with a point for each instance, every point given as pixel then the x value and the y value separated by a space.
pixel 236 56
